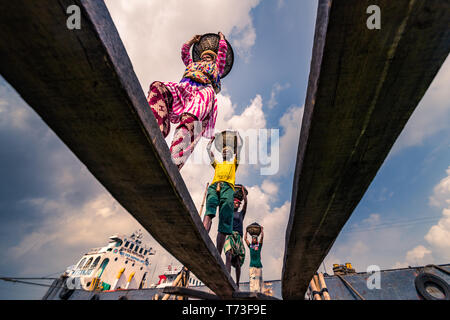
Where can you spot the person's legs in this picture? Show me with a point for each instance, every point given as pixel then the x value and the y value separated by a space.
pixel 212 201
pixel 160 101
pixel 207 221
pixel 228 249
pixel 256 281
pixel 185 138
pixel 261 282
pixel 228 261
pixel 238 270
pixel 226 213
pixel 252 279
pixel 226 209
pixel 220 241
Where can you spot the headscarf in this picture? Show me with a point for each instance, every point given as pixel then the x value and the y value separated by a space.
pixel 210 52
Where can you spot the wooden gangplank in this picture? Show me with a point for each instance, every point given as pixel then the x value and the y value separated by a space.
pixel 363 87
pixel 82 84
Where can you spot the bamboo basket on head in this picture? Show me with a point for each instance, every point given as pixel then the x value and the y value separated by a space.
pixel 254 229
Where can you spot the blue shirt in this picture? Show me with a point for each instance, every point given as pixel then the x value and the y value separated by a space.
pixel 238 222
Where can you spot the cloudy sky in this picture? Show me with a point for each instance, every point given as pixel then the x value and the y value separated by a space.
pixel 53 209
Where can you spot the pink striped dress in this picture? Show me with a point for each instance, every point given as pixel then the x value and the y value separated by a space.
pixel 194 97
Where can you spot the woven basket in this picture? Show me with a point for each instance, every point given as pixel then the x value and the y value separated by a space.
pixel 210 41
pixel 254 229
pixel 225 138
pixel 238 193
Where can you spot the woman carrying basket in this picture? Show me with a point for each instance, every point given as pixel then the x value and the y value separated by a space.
pixel 192 102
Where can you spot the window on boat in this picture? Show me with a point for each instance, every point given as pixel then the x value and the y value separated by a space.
pixel 126 244
pixel 88 263
pixel 96 261
pixel 140 251
pixel 131 246
pixel 119 243
pixel 136 249
pixel 145 252
pixel 81 263
pixel 103 266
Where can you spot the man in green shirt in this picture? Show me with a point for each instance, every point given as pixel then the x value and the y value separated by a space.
pixel 256 279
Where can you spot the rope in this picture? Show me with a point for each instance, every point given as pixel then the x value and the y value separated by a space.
pixel 30 283
pixel 350 287
pixel 439 268
pixel 40 278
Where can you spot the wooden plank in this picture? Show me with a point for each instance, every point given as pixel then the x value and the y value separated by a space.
pixel 191 293
pixel 238 295
pixel 363 87
pixel 82 84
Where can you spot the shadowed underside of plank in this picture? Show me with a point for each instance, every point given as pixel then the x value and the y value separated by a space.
pixel 363 87
pixel 82 84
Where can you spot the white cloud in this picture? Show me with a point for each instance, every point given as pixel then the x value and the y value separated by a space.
pixel 276 89
pixel 70 225
pixel 438 236
pixel 154 31
pixel 14 114
pixel 270 187
pixel 373 219
pixel 431 116
pixel 252 118
pixel 418 256
pixel 441 192
pixel 291 123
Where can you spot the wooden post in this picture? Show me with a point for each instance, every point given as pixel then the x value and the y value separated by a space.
pixel 323 285
pixel 204 198
pixel 316 282
pixel 175 283
pixel 315 291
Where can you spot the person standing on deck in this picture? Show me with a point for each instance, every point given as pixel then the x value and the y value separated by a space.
pixel 234 247
pixel 221 191
pixel 255 270
pixel 191 101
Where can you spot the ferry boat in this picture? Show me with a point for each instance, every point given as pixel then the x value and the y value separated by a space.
pixel 122 264
pixel 120 267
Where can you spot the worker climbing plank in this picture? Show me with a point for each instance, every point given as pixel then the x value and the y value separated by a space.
pixel 192 103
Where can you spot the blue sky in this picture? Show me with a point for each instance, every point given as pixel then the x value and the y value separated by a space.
pixel 51 205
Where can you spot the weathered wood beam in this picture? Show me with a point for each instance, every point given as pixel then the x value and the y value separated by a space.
pixel 363 87
pixel 191 293
pixel 82 84
pixel 238 295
